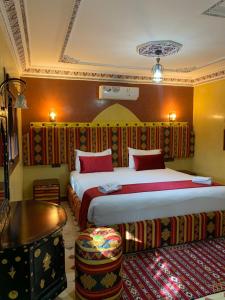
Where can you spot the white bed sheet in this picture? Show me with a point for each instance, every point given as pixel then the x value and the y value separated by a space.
pixel 125 208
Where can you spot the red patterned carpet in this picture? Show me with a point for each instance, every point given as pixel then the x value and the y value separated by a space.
pixel 187 271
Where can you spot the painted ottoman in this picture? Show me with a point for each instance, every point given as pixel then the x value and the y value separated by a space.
pixel 98 259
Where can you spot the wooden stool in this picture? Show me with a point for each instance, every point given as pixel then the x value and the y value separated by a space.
pixel 98 259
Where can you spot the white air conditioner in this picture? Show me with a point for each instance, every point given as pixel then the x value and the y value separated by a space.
pixel 118 92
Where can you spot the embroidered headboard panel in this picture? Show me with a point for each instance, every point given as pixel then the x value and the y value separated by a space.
pixel 54 143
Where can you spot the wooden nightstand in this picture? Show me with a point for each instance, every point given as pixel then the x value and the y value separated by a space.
pixel 47 190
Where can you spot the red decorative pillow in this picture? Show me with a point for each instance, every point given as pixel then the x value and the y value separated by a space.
pixel 148 162
pixel 90 164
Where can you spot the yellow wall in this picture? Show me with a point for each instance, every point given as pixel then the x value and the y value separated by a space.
pixel 116 113
pixel 7 61
pixel 44 172
pixel 209 123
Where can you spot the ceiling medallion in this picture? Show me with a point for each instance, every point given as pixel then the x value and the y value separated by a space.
pixel 165 47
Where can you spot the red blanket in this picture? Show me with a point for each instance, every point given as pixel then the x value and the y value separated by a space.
pixel 134 188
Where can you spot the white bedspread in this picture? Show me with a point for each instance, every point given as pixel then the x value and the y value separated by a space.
pixel 125 208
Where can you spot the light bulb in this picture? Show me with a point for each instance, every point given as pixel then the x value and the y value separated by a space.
pixel 52 116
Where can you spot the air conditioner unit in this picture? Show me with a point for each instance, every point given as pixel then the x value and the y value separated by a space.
pixel 118 92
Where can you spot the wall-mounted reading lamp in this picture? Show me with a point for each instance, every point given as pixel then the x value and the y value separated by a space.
pixel 172 116
pixel 15 87
pixel 52 116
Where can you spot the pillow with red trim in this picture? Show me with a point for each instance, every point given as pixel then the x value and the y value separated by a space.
pixel 148 162
pixel 91 164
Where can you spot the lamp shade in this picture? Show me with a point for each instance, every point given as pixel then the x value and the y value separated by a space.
pixel 157 71
pixel 21 102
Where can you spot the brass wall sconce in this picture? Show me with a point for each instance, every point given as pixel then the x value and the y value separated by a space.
pixel 15 87
pixel 52 116
pixel 172 116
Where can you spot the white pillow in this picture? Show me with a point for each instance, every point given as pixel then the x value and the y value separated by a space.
pixel 84 153
pixel 132 151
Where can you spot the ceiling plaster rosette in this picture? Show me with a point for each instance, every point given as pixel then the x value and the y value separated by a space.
pixel 165 48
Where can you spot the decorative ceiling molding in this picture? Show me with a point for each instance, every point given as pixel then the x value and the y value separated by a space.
pixel 168 48
pixel 95 76
pixel 210 77
pixel 68 60
pixel 217 10
pixel 215 70
pixel 12 19
pixel 164 48
pixel 63 57
pixel 25 28
pixel 101 76
pixel 41 72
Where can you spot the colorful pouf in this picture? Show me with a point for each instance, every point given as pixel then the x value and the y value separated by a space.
pixel 98 259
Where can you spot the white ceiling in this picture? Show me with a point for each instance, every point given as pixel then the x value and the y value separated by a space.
pixel 97 39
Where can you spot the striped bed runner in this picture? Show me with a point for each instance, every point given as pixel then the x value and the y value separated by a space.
pixel 148 234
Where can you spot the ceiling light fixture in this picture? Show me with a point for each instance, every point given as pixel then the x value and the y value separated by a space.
pixel 157 69
pixel 158 49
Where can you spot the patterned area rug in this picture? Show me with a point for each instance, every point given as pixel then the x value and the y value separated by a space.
pixel 179 271
pixel 184 272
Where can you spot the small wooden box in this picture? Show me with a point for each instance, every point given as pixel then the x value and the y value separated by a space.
pixel 47 190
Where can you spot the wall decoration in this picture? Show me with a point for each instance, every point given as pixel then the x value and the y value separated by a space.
pixel 116 112
pixel 78 101
pixel 54 143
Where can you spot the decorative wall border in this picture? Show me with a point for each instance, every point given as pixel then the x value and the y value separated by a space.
pixel 111 124
pixel 137 79
pixel 55 73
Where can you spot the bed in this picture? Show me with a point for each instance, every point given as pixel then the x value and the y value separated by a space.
pixel 126 208
pixel 156 218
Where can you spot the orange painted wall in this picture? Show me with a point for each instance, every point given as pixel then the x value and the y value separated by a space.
pixel 76 100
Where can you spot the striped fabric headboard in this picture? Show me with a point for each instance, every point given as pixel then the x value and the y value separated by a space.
pixel 54 143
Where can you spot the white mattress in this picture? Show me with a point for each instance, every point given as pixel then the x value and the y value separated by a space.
pixel 125 208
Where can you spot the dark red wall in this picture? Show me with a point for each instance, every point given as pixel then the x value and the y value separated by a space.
pixel 77 100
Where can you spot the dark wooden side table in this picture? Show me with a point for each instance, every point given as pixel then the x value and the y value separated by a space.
pixel 47 190
pixel 32 260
